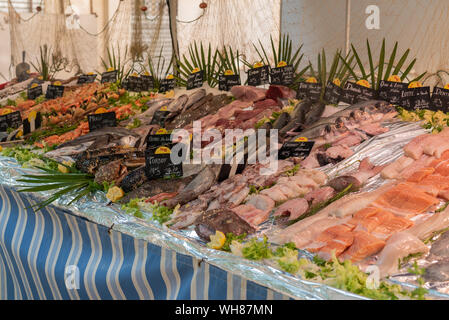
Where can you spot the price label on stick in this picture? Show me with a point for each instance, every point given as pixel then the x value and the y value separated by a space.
pixel 86 78
pixel 195 80
pixel 34 91
pixel 147 82
pixel 11 120
pixel 102 120
pixel 307 90
pixel 416 98
pixel 300 148
pixel 167 85
pixel 159 164
pixel 440 99
pixel 226 82
pixel 54 91
pixel 259 76
pixel 282 75
pixel 332 93
pixel 391 91
pixel 109 76
pixel 354 93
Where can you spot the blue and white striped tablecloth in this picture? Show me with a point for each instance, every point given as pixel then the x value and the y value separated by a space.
pixel 53 254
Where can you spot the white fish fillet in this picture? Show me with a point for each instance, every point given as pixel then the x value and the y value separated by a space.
pixel 436 222
pixel 399 246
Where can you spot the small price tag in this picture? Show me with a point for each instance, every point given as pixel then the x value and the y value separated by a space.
pixel 282 75
pixel 354 93
pixel 54 92
pixel 259 76
pixel 391 91
pixel 226 82
pixel 167 85
pixel 416 98
pixel 332 93
pixel 34 91
pixel 301 148
pixel 195 80
pixel 158 163
pixel 147 82
pixel 109 76
pixel 102 120
pixel 309 90
pixel 440 99
pixel 86 78
pixel 11 120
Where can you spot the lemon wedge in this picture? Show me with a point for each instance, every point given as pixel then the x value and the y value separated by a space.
pixel 394 78
pixel 312 80
pixel 337 82
pixel 415 84
pixel 364 83
pixel 115 194
pixel 101 110
pixel 217 241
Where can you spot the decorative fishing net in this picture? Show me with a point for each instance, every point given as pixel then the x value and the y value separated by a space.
pixel 238 24
pixel 64 32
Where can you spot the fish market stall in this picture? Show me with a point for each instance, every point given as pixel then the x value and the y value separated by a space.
pixel 214 177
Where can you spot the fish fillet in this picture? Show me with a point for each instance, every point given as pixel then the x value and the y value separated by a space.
pixel 293 208
pixel 436 222
pixel 364 245
pixel 399 246
pixel 393 170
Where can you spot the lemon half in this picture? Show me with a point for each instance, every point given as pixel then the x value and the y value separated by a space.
pixel 217 241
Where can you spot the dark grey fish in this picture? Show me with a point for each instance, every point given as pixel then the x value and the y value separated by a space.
pixel 314 114
pixel 281 121
pixel 223 220
pixel 440 248
pixel 177 105
pixel 202 182
pixel 194 98
pixel 438 272
pixel 113 133
pixel 298 117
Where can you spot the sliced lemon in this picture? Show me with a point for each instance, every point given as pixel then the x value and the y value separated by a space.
pixel 6 111
pixel 90 73
pixel 147 73
pixel 32 116
pixel 134 74
pixel 229 73
pixel 258 65
pixel 101 110
pixel 446 86
pixel 1 148
pixel 415 84
pixel 164 108
pixel 63 169
pixel 57 83
pixel 34 85
pixel 217 241
pixel 301 139
pixel 40 78
pixel 394 78
pixel 312 80
pixel 337 82
pixel 195 70
pixel 169 94
pixel 282 64
pixel 364 83
pixel 19 134
pixel 161 131
pixel 115 194
pixel 170 76
pixel 110 69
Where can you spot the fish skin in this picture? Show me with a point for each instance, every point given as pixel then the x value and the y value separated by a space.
pixel 112 132
pixel 281 121
pixel 298 117
pixel 438 272
pixel 440 248
pixel 223 220
pixel 194 98
pixel 177 105
pixel 314 114
pixel 202 182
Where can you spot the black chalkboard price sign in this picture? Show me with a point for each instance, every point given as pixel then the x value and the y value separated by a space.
pixel 332 93
pixel 354 93
pixel 86 78
pixel 416 98
pixel 282 75
pixel 259 76
pixel 226 82
pixel 440 99
pixel 309 90
pixel 109 76
pixel 158 163
pixel 34 91
pixel 297 148
pixel 167 85
pixel 11 120
pixel 147 82
pixel 391 91
pixel 54 92
pixel 195 80
pixel 101 120
pixel 156 140
pixel 134 83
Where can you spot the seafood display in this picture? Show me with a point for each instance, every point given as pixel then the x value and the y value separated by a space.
pixel 369 213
